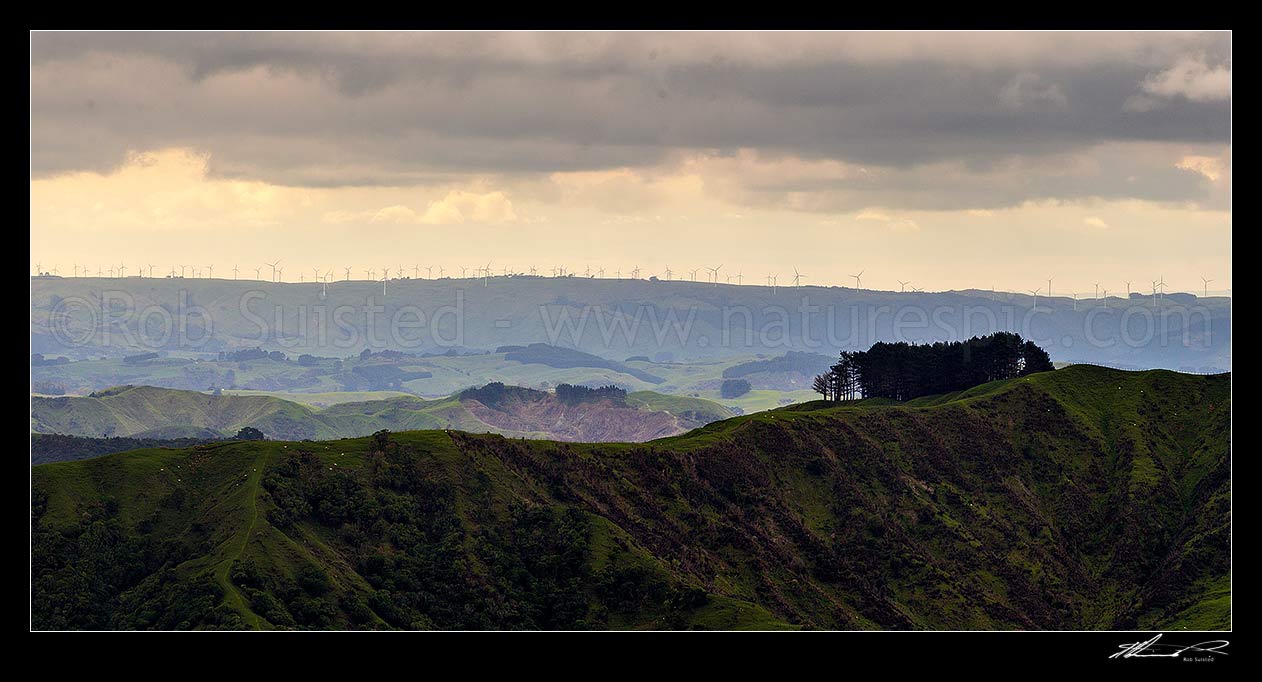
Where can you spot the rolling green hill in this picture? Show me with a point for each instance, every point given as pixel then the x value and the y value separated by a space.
pixel 1084 498
pixel 150 412
pixel 333 380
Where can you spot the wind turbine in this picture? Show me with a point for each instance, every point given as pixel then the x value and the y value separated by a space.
pixel 1154 293
pixel 429 272
pixel 1049 287
pixel 273 265
pixel 533 271
pixel 258 273
pixel 39 268
pixel 1075 301
pixel 416 271
pixel 1161 287
pixel 714 272
pixel 797 278
pixel 694 274
pixel 600 273
pixel 487 281
pixel 1097 290
pixel 739 275
pixel 669 272
pixel 385 274
pixel 588 272
pixel 463 271
pixel 1128 290
pixel 151 267
pixel 902 286
pixel 858 283
pixel 122 270
pixel 210 272
pixel 1035 292
pixel 442 272
pixel 280 274
pixel 775 279
pixel 635 272
pixel 1206 281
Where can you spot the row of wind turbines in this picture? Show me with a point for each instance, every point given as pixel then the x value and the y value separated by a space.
pixel 486 272
pixel 1158 291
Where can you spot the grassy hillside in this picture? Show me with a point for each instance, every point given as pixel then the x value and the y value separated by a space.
pixel 1082 498
pixel 150 412
pixel 334 381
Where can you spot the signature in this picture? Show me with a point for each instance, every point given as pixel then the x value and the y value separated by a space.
pixel 1153 649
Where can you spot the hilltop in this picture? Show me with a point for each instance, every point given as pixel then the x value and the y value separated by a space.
pixel 151 412
pixel 1084 498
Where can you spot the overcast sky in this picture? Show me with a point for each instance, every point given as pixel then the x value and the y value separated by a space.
pixel 950 160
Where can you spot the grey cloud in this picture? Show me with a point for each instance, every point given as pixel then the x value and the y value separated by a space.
pixel 348 109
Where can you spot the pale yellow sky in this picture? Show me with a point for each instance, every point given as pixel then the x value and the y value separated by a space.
pixel 947 160
pixel 162 209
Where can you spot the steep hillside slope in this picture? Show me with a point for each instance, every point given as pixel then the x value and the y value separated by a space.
pixel 1081 498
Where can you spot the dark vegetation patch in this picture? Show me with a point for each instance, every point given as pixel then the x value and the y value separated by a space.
pixel 556 356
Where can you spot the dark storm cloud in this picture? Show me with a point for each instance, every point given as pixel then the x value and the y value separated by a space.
pixel 343 109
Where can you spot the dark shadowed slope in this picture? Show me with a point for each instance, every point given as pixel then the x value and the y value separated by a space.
pixel 1081 498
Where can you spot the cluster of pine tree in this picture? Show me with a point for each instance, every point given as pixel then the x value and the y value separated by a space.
pixel 902 371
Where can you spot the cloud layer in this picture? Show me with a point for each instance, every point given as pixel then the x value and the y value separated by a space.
pixel 926 114
pixel 955 159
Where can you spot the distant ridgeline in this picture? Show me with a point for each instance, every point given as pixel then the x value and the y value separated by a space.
pixel 619 318
pixel 902 371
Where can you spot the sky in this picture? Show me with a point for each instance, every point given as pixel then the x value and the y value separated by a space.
pixel 947 160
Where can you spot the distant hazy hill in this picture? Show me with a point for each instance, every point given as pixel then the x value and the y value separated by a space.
pixel 611 318
pixel 149 412
pixel 1083 498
